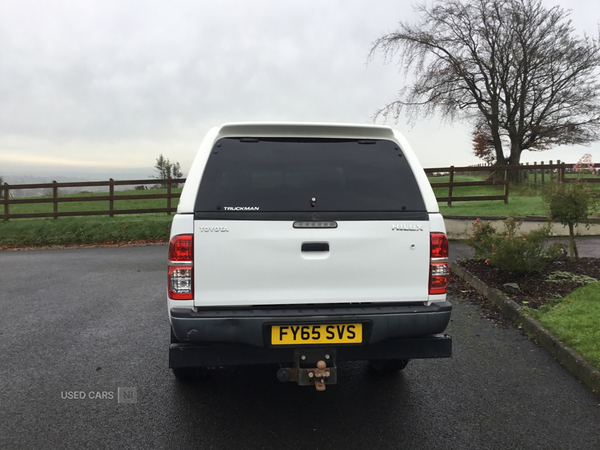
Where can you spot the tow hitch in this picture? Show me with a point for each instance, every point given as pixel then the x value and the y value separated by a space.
pixel 311 367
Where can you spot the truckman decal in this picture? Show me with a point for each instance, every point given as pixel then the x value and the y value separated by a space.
pixel 241 208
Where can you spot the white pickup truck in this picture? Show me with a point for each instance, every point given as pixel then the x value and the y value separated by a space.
pixel 306 244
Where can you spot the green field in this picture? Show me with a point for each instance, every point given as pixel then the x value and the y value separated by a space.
pixel 523 200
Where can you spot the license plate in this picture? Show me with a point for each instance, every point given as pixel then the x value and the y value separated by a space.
pixel 341 333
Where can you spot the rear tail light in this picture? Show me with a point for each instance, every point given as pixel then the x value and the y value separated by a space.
pixel 439 276
pixel 181 248
pixel 181 267
pixel 439 246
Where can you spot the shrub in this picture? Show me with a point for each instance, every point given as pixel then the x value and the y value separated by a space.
pixel 483 239
pixel 569 204
pixel 520 254
pixel 586 165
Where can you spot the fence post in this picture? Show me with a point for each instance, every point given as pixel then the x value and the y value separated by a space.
pixel 6 197
pixel 562 172
pixel 535 173
pixel 550 172
pixel 111 193
pixel 527 175
pixel 543 170
pixel 169 195
pixel 55 197
pixel 451 180
pixel 506 187
pixel 558 172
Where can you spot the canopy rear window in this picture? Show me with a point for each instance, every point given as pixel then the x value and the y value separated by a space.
pixel 249 175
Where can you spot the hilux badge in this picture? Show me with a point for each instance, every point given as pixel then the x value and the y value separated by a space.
pixel 403 227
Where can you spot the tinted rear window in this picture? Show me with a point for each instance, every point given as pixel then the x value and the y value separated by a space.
pixel 303 175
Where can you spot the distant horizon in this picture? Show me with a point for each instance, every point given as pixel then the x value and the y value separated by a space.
pixel 43 175
pixel 46 174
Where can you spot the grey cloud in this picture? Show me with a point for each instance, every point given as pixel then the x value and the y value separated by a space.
pixel 103 73
pixel 116 71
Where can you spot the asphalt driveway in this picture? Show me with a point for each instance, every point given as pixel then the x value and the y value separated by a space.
pixel 83 345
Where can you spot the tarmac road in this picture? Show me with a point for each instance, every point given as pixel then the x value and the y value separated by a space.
pixel 82 329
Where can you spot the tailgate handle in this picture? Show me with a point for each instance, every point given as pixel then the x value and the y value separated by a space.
pixel 315 247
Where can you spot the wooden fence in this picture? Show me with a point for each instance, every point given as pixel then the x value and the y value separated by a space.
pixel 526 173
pixel 451 184
pixel 7 201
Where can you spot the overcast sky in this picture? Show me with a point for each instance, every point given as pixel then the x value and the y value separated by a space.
pixel 104 85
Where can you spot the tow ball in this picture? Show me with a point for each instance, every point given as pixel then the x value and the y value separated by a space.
pixel 304 371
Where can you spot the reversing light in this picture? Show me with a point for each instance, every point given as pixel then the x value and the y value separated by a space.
pixel 439 278
pixel 180 283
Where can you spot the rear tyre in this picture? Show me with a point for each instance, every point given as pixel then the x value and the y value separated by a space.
pixel 388 366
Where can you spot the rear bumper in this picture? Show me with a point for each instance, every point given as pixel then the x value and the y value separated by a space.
pixel 191 355
pixel 242 336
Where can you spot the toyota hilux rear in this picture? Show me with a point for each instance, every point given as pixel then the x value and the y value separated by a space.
pixel 304 245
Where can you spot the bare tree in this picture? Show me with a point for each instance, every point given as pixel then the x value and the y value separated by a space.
pixel 512 68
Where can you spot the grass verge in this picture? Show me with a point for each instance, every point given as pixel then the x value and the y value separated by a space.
pixel 84 230
pixel 574 320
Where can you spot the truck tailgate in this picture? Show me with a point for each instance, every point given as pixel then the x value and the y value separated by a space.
pixel 241 263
